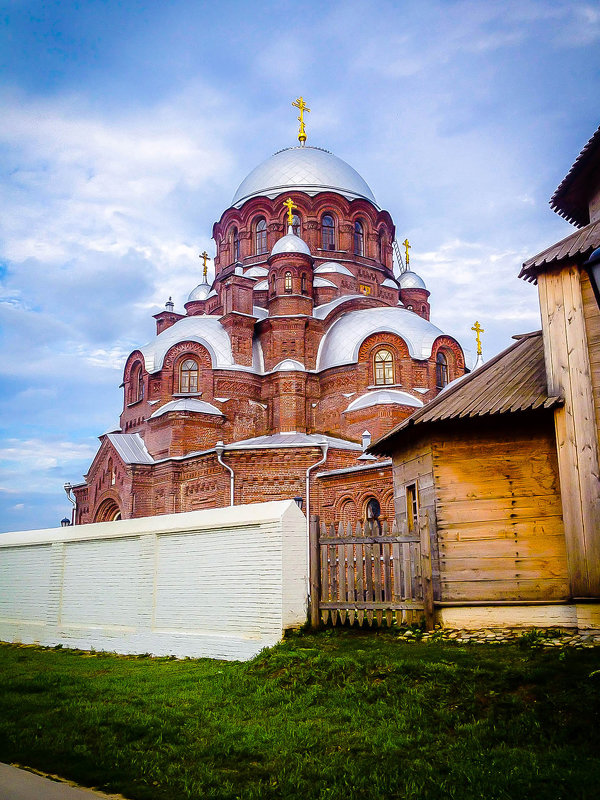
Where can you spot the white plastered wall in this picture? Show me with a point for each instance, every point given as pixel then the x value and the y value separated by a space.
pixel 221 583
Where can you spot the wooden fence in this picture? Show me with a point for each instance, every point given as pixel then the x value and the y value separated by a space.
pixel 373 573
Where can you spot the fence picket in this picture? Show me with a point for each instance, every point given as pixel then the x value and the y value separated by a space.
pixel 372 574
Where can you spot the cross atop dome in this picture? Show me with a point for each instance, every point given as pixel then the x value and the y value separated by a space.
pixel 302 107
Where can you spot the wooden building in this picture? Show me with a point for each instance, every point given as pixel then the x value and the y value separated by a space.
pixel 506 458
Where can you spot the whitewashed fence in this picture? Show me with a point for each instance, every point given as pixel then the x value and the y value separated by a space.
pixel 222 583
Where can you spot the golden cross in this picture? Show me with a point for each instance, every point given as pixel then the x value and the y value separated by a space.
pixel 289 204
pixel 302 107
pixel 205 256
pixel 407 248
pixel 478 330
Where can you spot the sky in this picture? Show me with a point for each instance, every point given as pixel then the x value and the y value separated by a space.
pixel 125 128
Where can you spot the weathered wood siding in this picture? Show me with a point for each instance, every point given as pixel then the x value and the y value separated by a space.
pixel 498 507
pixel 222 583
pixel 569 374
pixel 592 327
pixel 414 464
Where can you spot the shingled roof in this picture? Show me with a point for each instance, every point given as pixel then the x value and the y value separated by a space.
pixel 513 381
pixel 570 200
pixel 576 247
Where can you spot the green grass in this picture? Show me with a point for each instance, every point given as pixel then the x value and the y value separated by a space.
pixel 340 714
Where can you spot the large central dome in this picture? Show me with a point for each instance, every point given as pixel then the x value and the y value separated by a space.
pixel 307 169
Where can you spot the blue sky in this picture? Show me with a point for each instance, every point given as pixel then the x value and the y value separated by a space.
pixel 127 126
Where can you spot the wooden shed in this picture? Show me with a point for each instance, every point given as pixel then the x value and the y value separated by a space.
pixel 482 459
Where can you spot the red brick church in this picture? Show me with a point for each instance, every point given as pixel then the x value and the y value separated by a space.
pixel 271 382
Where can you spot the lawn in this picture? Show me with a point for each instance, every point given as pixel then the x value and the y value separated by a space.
pixel 339 714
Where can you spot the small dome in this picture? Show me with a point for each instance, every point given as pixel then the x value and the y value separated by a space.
pixel 199 293
pixel 290 243
pixel 410 280
pixel 306 169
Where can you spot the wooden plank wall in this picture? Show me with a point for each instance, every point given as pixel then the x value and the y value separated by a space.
pixel 500 530
pixel 591 315
pixel 569 374
pixel 415 465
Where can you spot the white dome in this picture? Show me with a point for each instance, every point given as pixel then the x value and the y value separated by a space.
pixel 410 280
pixel 199 293
pixel 306 169
pixel 290 243
pixel 341 343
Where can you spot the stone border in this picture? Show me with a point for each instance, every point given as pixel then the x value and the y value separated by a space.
pixel 533 637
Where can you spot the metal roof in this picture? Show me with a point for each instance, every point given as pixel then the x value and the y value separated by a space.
pixel 204 329
pixel 187 404
pixel 201 292
pixel 341 343
pixel 306 169
pixel 513 381
pixel 130 447
pixel 576 246
pixel 383 464
pixel 410 280
pixel 294 439
pixel 384 397
pixel 290 243
pixel 332 266
pixel 570 200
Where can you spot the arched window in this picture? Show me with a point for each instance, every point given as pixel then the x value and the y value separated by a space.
pixel 261 236
pixel 112 472
pixel 373 509
pixel 384 368
pixel 235 244
pixel 295 224
pixel 272 284
pixel 380 246
pixel 441 370
pixel 188 376
pixel 140 383
pixel 288 282
pixel 303 285
pixel 328 232
pixel 359 239
pixel 136 386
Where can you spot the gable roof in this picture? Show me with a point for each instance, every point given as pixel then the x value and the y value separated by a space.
pixel 513 381
pixel 577 246
pixel 570 200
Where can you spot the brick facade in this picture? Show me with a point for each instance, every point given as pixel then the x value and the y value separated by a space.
pixel 260 372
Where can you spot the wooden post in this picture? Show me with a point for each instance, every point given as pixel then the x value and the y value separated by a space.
pixel 569 373
pixel 426 571
pixel 314 572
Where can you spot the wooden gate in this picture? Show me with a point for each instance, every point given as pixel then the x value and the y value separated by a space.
pixel 375 572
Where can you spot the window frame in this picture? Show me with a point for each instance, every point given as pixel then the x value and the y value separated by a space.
pixel 188 372
pixel 287 282
pixel 442 370
pixel 359 238
pixel 412 505
pixel 235 244
pixel 328 233
pixel 384 369
pixel 260 237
